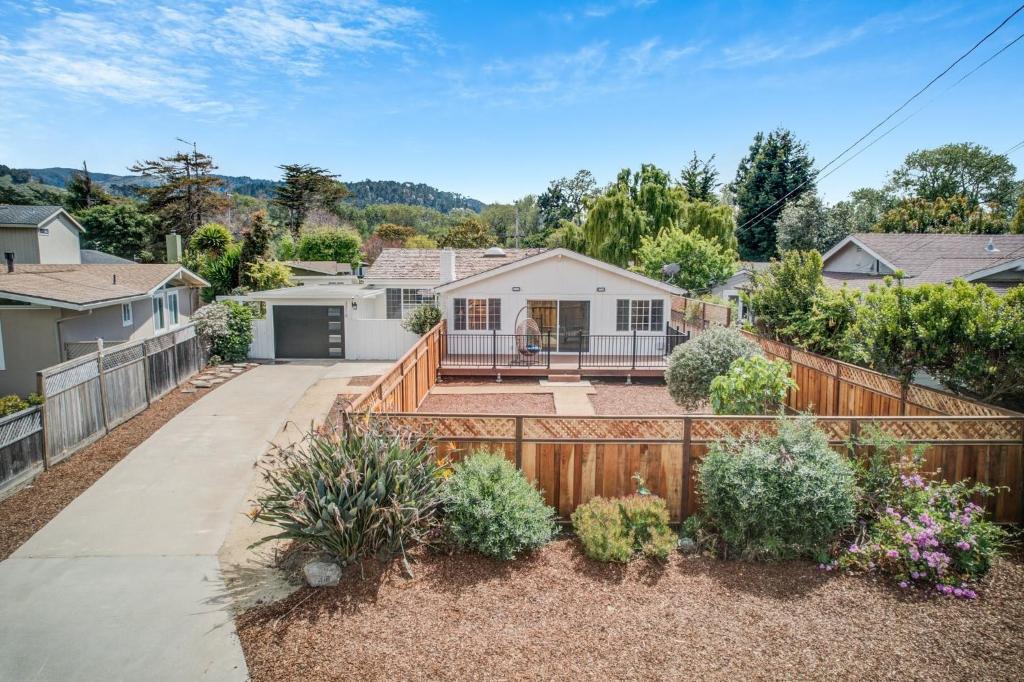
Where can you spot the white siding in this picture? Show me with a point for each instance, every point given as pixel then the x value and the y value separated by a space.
pixel 852 258
pixel 61 245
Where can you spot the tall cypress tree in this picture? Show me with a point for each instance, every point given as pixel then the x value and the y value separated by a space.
pixel 775 165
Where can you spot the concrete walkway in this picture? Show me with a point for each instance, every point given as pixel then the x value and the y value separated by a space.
pixel 124 584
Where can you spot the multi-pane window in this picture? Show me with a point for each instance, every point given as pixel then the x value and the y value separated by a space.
pixel 477 314
pixel 126 315
pixel 640 315
pixel 401 302
pixel 172 308
pixel 159 321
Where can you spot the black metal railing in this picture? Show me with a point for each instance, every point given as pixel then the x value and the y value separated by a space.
pixel 633 350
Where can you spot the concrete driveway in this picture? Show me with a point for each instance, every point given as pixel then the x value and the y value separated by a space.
pixel 124 584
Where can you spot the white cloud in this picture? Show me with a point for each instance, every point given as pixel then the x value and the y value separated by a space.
pixel 181 55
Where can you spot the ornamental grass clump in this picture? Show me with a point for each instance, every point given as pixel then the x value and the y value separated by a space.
pixel 922 533
pixel 693 365
pixel 373 493
pixel 770 497
pixel 620 529
pixel 490 507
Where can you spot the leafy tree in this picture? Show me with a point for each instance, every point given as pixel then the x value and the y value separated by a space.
pixel 953 215
pixel 826 329
pixel 29 194
pixel 808 224
pixel 284 247
pixel 568 235
pixel 261 275
pixel 775 166
pixel 865 207
pixel 753 385
pixel 304 187
pixel 83 193
pixel 965 170
pixel 702 263
pixel 187 194
pixel 121 229
pixel 420 241
pixel 255 270
pixel 389 232
pixel 566 199
pixel 1017 226
pixel 693 365
pixel 342 246
pixel 470 233
pixel 711 221
pixel 782 295
pixel 700 179
pixel 615 224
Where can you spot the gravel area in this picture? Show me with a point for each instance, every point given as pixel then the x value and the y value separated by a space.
pixel 490 403
pixel 637 400
pixel 557 615
pixel 32 507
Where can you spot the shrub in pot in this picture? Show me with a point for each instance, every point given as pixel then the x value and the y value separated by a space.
pixel 753 385
pixel 693 365
pixel 490 507
pixel 373 493
pixel 778 496
pixel 619 529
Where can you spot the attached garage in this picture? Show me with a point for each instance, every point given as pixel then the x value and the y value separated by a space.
pixel 309 331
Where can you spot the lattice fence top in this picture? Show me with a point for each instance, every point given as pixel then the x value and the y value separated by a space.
pixel 183 335
pixel 582 428
pixel 72 376
pixel 123 356
pixel 159 343
pixel 818 362
pixel 948 403
pixel 951 429
pixel 20 425
pixel 457 427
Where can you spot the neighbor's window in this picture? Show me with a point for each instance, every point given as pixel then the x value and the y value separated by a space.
pixel 401 302
pixel 172 308
pixel 640 315
pixel 126 315
pixel 477 313
pixel 158 313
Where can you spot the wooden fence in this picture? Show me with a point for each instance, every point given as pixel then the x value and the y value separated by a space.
pixel 21 447
pixel 89 395
pixel 576 458
pixel 405 386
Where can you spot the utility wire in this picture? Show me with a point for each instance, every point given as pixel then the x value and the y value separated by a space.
pixel 1014 148
pixel 889 117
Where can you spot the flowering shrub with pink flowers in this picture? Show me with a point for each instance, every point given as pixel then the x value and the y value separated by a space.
pixel 923 533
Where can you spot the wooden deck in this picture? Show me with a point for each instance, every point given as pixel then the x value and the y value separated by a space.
pixel 560 363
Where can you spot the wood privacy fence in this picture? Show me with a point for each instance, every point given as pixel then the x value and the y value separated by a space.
pixel 21 447
pixel 89 395
pixel 404 387
pixel 576 458
pixel 829 387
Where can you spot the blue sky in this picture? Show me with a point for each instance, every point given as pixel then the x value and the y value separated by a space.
pixel 493 99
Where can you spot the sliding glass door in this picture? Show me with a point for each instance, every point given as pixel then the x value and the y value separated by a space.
pixel 573 318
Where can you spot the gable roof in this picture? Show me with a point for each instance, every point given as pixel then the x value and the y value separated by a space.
pixel 94 257
pixel 80 287
pixel 324 267
pixel 425 264
pixel 932 258
pixel 32 216
pixel 560 253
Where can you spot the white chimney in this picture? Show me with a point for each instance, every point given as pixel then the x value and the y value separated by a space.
pixel 447 265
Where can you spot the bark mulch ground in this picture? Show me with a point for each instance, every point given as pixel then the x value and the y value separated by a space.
pixel 26 511
pixel 637 400
pixel 557 615
pixel 363 380
pixel 490 403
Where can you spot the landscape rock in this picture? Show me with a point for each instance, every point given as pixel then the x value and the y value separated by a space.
pixel 188 390
pixel 322 574
pixel 217 381
pixel 688 546
pixel 199 383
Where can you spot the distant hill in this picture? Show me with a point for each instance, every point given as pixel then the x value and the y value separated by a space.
pixel 363 192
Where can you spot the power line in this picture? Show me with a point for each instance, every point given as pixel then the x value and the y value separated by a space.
pixel 1016 147
pixel 889 117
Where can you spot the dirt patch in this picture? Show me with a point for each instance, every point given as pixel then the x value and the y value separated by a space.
pixel 490 403
pixel 557 615
pixel 637 400
pixel 364 380
pixel 26 511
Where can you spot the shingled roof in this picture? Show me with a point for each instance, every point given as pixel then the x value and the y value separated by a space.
pixel 425 264
pixel 85 286
pixel 324 267
pixel 30 216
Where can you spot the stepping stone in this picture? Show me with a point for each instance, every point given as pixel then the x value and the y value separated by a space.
pixel 189 390
pixel 322 574
pixel 199 383
pixel 217 381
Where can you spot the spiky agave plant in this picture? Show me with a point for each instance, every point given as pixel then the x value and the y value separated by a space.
pixel 372 492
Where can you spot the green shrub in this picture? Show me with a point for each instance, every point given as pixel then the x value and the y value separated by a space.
pixel 9 404
pixel 342 246
pixel 373 493
pixel 753 385
pixel 212 238
pixel 422 319
pixel 778 496
pixel 694 364
pixel 920 532
pixel 226 329
pixel 621 528
pixel 491 508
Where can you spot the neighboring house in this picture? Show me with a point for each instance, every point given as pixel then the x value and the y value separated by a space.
pixel 480 291
pixel 320 272
pixel 56 300
pixel 731 288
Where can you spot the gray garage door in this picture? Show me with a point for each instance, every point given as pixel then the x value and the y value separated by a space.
pixel 309 331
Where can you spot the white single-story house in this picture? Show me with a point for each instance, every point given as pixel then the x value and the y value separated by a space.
pixel 580 305
pixel 53 306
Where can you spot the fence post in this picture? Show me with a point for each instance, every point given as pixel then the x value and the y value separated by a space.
pixel 837 385
pixel 44 413
pixel 854 436
pixel 145 373
pixel 548 347
pixel 494 349
pixel 103 387
pixel 634 349
pixel 579 347
pixel 684 497
pixel 519 443
pixel 903 399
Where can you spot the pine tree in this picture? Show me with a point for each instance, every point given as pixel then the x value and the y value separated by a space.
pixel 775 165
pixel 83 193
pixel 700 179
pixel 304 188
